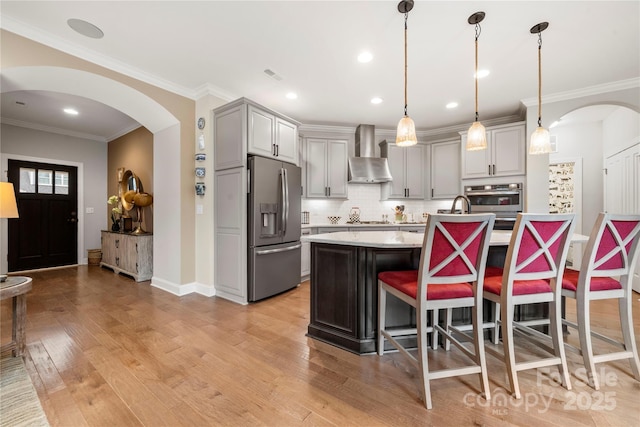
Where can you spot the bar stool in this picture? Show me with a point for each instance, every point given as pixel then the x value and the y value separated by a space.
pixel 611 251
pixel 450 275
pixel 532 274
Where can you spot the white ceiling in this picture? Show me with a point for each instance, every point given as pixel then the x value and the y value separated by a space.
pixel 223 47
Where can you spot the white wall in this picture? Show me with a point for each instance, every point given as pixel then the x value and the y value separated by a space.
pixel 584 141
pixel 621 130
pixel 91 157
pixel 624 94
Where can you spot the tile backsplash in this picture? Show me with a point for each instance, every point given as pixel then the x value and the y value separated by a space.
pixel 367 198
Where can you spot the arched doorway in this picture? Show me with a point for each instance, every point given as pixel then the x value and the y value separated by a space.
pixel 150 114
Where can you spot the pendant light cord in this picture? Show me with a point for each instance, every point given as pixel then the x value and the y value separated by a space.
pixel 540 79
pixel 478 30
pixel 406 16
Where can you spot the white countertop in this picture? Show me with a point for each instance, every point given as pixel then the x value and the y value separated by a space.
pixel 364 226
pixel 401 239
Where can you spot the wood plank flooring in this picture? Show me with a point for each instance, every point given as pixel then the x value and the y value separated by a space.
pixel 103 350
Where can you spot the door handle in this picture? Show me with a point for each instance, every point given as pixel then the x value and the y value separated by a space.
pixel 275 251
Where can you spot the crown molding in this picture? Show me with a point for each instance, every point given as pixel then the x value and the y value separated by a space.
pixel 50 129
pixel 123 132
pixel 213 90
pixel 587 91
pixel 39 36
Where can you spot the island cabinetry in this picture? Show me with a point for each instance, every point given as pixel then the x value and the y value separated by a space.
pixel 243 127
pixel 344 295
pixel 504 156
pixel 445 169
pixel 130 254
pixel 407 166
pixel 326 168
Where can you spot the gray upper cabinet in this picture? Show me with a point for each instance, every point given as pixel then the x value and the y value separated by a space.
pixel 243 127
pixel 445 169
pixel 407 166
pixel 326 168
pixel 504 156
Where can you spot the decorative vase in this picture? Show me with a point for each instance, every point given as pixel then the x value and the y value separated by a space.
pixel 115 226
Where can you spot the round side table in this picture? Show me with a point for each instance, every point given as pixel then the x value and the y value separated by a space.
pixel 16 287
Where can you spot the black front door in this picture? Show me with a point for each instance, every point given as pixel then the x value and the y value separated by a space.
pixel 46 233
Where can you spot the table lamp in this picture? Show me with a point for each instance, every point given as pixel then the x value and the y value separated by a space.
pixel 8 207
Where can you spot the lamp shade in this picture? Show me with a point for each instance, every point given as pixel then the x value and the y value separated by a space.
pixel 8 206
pixel 476 137
pixel 406 135
pixel 540 141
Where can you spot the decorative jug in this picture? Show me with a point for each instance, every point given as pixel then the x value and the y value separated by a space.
pixel 354 215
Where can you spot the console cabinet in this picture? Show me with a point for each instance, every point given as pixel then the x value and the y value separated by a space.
pixel 130 254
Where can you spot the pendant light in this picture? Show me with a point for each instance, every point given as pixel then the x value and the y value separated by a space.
pixel 406 135
pixel 476 136
pixel 540 139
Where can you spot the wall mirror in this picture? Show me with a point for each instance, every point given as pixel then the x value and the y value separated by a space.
pixel 129 187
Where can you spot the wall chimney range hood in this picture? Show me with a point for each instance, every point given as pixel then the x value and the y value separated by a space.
pixel 365 168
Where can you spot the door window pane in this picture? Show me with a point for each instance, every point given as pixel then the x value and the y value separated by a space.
pixel 62 182
pixel 27 180
pixel 45 182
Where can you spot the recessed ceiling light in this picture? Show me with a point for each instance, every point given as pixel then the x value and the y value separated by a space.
pixel 85 28
pixel 452 105
pixel 376 100
pixel 482 73
pixel 71 111
pixel 365 57
pixel 292 95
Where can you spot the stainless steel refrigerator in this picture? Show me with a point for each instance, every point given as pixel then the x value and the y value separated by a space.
pixel 274 227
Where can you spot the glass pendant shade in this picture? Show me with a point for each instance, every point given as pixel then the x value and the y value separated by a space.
pixel 406 135
pixel 476 137
pixel 540 141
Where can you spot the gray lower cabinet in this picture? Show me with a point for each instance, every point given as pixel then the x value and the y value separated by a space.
pixel 130 254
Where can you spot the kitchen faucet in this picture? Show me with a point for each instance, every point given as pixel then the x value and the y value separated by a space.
pixel 465 199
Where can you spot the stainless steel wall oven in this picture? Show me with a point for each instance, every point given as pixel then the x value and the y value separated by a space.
pixel 505 200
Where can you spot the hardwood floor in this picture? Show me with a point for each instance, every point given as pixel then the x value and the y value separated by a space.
pixel 103 350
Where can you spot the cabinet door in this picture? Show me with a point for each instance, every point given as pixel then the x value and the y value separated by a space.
pixel 316 167
pixel 337 178
pixel 508 151
pixel 475 164
pixel 108 248
pixel 286 141
pixel 305 255
pixel 396 160
pixel 261 132
pixel 414 171
pixel 445 170
pixel 229 138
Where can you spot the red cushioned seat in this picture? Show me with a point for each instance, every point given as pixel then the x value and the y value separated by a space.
pixel 407 283
pixel 570 282
pixel 493 284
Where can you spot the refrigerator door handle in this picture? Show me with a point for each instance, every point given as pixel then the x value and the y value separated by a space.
pixel 275 251
pixel 282 197
pixel 286 201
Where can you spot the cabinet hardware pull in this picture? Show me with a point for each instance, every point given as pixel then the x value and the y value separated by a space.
pixel 137 268
pixel 277 150
pixel 117 243
pixel 136 247
pixel 489 172
pixel 432 192
pixel 329 188
pixel 118 261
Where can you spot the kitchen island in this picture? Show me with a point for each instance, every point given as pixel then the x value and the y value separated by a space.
pixel 344 284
